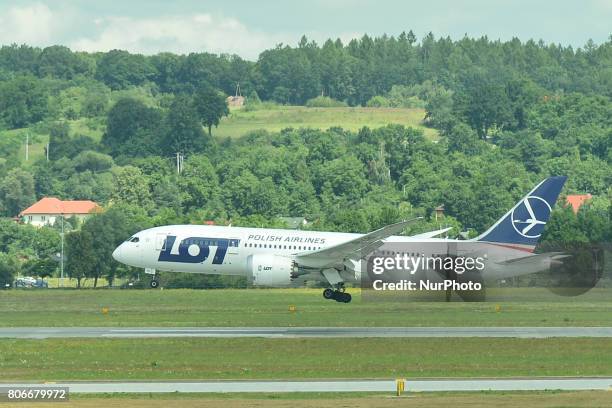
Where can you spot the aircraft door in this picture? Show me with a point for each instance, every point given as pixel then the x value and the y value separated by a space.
pixel 233 244
pixel 160 242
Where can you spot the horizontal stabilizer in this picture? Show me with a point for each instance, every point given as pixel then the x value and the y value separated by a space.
pixel 554 256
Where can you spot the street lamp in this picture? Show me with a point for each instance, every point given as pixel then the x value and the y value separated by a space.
pixel 61 213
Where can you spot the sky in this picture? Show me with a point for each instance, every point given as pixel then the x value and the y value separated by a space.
pixel 246 27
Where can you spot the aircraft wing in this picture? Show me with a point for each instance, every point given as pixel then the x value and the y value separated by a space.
pixel 350 249
pixel 431 234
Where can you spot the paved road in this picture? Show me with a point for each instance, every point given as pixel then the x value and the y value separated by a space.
pixel 293 332
pixel 332 386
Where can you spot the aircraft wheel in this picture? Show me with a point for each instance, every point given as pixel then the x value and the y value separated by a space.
pixel 328 294
pixel 342 297
pixel 154 283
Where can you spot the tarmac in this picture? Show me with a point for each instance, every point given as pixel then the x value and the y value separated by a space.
pixel 423 385
pixel 301 332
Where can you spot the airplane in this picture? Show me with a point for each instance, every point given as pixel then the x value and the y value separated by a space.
pixel 285 258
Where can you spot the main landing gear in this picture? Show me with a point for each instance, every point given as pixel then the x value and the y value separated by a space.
pixel 154 282
pixel 337 295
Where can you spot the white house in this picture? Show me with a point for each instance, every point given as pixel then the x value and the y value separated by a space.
pixel 49 209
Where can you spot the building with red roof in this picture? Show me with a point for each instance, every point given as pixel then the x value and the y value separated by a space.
pixel 49 209
pixel 576 200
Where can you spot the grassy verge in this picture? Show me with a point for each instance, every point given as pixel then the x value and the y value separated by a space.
pixel 270 307
pixel 537 399
pixel 257 358
pixel 241 122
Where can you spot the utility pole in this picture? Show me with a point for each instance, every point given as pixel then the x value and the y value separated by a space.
pixel 179 162
pixel 47 151
pixel 27 145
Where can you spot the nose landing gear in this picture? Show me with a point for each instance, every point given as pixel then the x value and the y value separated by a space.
pixel 154 282
pixel 337 295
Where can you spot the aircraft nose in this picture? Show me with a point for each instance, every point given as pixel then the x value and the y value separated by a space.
pixel 117 253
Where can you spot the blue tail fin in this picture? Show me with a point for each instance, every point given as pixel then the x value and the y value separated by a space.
pixel 524 223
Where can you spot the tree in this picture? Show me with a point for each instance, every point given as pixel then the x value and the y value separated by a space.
pixel 92 161
pixel 131 187
pixel 211 107
pixel 439 108
pixel 343 177
pixel 80 255
pixel 95 104
pixel 118 69
pixel 20 59
pixel 104 232
pixel 184 131
pixel 462 138
pixel 8 268
pixel 16 192
pixel 482 102
pixel 132 128
pixel 23 101
pixel 198 183
pixel 60 62
pixel 61 144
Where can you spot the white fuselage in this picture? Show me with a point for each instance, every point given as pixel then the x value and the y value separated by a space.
pixel 229 247
pixel 226 250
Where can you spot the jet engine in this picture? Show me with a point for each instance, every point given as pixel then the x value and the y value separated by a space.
pixel 271 270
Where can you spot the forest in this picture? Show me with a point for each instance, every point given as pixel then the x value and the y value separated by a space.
pixel 505 114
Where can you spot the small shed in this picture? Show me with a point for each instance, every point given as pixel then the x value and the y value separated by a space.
pixel 235 101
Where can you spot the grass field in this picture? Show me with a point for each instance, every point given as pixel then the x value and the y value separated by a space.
pixel 38 142
pixel 259 358
pixel 270 307
pixel 241 122
pixel 543 399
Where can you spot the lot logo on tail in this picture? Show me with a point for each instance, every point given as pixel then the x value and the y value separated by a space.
pixel 525 222
pixel 528 217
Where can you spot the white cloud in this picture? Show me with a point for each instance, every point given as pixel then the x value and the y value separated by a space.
pixel 34 24
pixel 179 34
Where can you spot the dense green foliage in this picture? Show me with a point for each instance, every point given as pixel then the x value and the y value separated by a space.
pixel 508 114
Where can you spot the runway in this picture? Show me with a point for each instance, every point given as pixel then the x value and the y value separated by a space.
pixel 301 332
pixel 522 384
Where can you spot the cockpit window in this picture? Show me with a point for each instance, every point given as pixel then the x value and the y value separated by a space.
pixel 134 239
